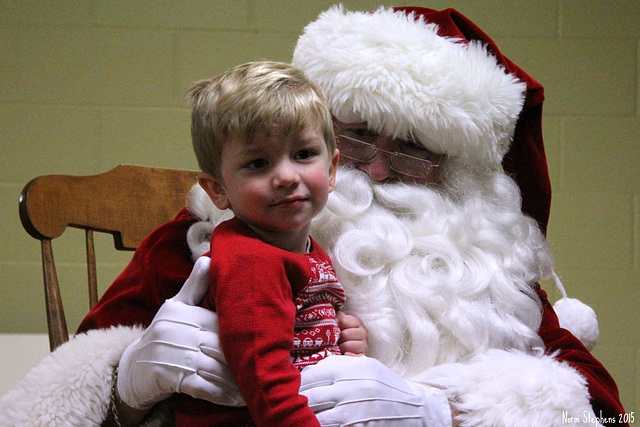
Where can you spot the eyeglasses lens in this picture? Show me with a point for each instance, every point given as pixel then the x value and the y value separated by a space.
pixel 362 150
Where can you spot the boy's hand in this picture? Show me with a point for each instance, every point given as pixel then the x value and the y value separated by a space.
pixel 353 336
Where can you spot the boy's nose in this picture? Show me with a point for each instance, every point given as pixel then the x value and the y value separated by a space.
pixel 285 175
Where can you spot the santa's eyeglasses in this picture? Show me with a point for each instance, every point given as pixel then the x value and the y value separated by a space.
pixel 415 165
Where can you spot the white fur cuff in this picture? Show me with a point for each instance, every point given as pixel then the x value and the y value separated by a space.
pixel 508 388
pixel 72 385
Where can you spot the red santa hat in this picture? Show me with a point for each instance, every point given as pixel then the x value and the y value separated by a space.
pixel 434 75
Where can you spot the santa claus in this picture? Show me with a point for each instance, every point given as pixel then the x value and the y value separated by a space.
pixel 436 230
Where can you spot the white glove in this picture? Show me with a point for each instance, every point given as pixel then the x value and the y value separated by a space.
pixel 358 391
pixel 179 352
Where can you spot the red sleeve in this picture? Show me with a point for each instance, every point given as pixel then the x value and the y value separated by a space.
pixel 157 271
pixel 256 314
pixel 602 388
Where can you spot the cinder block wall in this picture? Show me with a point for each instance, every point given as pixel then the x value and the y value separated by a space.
pixel 87 85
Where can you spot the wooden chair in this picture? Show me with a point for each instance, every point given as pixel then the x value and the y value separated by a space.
pixel 127 202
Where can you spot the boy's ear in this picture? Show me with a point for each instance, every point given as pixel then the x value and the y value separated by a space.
pixel 333 168
pixel 215 190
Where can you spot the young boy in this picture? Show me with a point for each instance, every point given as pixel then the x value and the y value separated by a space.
pixel 264 140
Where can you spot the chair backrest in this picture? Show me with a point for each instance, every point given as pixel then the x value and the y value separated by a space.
pixel 127 202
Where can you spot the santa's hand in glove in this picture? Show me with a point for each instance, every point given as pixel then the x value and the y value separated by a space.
pixel 358 391
pixel 179 352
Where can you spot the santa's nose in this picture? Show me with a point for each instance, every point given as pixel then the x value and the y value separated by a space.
pixel 379 169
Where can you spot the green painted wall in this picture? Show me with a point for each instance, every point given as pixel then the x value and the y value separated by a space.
pixel 87 85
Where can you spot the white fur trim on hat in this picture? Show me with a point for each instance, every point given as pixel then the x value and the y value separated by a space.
pixel 403 79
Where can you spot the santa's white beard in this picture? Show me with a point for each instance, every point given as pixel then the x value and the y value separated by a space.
pixel 436 275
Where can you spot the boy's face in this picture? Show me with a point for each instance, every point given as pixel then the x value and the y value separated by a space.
pixel 276 184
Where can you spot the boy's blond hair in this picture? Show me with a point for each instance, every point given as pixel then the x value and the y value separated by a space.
pixel 266 97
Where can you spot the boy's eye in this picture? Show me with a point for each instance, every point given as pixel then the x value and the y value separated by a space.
pixel 305 154
pixel 258 164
